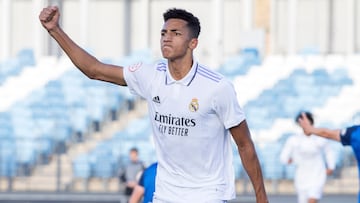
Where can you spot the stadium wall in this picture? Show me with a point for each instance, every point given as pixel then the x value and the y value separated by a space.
pixel 113 28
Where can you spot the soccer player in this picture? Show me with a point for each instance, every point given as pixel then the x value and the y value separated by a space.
pixel 131 170
pixel 347 136
pixel 193 111
pixel 313 159
pixel 146 187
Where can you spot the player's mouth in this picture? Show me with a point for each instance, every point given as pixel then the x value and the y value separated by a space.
pixel 166 46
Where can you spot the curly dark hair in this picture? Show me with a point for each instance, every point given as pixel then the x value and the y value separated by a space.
pixel 192 22
pixel 308 115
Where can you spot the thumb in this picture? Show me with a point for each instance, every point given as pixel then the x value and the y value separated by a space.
pixel 49 17
pixel 48 14
pixel 53 11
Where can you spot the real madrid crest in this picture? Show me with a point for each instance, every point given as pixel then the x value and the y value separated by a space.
pixel 194 105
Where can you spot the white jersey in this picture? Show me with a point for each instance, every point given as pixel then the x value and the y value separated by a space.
pixel 310 154
pixel 190 120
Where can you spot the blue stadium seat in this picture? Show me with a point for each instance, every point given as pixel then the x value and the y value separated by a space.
pixel 6 129
pixel 341 77
pixel 14 66
pixel 81 167
pixel 8 167
pixel 241 63
pixel 26 156
pixel 290 95
pixel 10 67
pixel 273 169
pixel 26 57
pixel 105 163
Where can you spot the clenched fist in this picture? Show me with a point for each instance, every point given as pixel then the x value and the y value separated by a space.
pixel 49 17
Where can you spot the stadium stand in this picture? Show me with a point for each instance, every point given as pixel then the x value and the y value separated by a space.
pixel 289 96
pixel 65 114
pixel 62 136
pixel 51 113
pixel 280 87
pixel 241 63
pixel 14 66
pixel 281 95
pixel 346 98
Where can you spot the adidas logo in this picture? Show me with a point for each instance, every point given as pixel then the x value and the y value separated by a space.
pixel 156 99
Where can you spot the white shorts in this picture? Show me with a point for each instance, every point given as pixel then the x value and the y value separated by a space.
pixel 304 195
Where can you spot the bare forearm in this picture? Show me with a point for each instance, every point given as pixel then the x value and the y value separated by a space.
pixel 252 166
pixel 242 137
pixel 77 55
pixel 88 64
pixel 326 133
pixel 137 194
pixel 308 128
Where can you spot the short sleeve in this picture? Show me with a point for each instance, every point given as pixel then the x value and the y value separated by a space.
pixel 227 106
pixel 141 180
pixel 346 134
pixel 138 77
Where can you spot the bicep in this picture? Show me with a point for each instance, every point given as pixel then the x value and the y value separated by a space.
pixel 241 134
pixel 109 73
pixel 246 148
pixel 335 135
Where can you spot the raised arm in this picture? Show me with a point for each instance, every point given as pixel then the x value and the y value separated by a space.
pixel 242 138
pixel 88 64
pixel 333 134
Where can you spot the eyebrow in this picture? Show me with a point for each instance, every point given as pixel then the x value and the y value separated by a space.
pixel 172 30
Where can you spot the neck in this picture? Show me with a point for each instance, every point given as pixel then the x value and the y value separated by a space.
pixel 179 68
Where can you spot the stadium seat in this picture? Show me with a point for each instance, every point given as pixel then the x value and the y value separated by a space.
pixel 12 67
pixel 240 64
pixel 81 167
pixel 290 95
pixel 105 164
pixel 273 169
pixel 26 58
pixel 8 167
pixel 26 156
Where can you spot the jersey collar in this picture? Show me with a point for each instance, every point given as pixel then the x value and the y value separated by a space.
pixel 186 81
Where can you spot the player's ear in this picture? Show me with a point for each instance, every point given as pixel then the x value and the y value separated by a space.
pixel 193 43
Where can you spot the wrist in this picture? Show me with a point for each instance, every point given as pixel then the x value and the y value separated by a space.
pixel 53 30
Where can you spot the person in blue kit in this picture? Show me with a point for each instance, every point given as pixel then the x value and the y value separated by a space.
pixel 194 112
pixel 146 187
pixel 349 136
